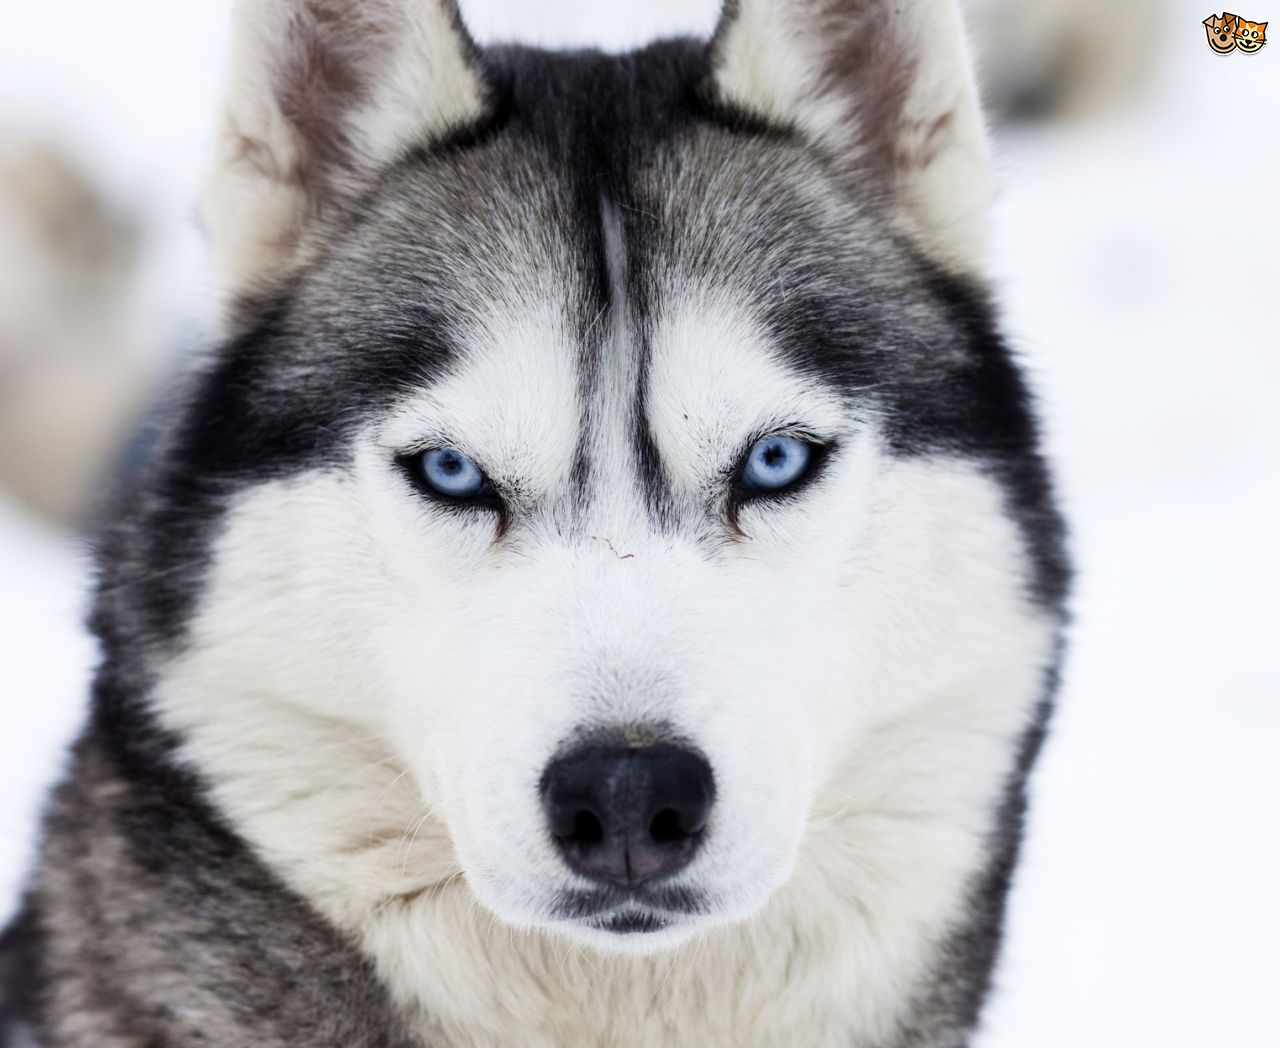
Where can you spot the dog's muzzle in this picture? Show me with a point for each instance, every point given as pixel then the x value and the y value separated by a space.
pixel 628 816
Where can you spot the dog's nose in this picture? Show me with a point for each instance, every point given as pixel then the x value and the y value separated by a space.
pixel 628 815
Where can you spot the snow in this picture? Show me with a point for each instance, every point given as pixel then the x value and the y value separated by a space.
pixel 1140 263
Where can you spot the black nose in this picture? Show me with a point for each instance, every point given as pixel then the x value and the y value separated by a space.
pixel 628 815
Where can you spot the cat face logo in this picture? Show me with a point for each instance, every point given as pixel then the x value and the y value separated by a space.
pixel 1250 36
pixel 1221 31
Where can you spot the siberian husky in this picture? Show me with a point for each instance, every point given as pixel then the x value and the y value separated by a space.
pixel 603 591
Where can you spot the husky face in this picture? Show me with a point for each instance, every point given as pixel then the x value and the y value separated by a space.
pixel 619 581
pixel 609 509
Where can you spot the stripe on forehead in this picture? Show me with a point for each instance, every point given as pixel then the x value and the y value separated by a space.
pixel 620 472
pixel 594 120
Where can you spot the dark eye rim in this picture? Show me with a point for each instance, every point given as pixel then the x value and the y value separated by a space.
pixel 486 499
pixel 741 494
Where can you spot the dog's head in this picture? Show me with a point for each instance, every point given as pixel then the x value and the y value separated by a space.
pixel 612 477
pixel 1221 32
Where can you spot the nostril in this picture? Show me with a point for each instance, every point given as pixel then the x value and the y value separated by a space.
pixel 587 828
pixel 667 827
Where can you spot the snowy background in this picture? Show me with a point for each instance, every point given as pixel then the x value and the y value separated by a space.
pixel 1139 258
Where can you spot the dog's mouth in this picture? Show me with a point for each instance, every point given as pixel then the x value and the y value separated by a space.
pixel 631 911
pixel 631 922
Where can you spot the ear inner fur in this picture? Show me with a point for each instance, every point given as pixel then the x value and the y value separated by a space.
pixel 323 95
pixel 885 89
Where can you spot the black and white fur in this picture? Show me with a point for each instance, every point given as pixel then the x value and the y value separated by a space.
pixel 305 810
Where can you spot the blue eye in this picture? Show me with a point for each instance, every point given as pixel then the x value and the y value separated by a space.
pixel 449 472
pixel 774 463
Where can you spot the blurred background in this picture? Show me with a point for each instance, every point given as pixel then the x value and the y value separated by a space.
pixel 1138 257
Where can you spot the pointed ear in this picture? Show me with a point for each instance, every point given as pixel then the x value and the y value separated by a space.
pixel 883 86
pixel 322 95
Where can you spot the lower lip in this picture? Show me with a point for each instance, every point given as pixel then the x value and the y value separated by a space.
pixel 631 922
